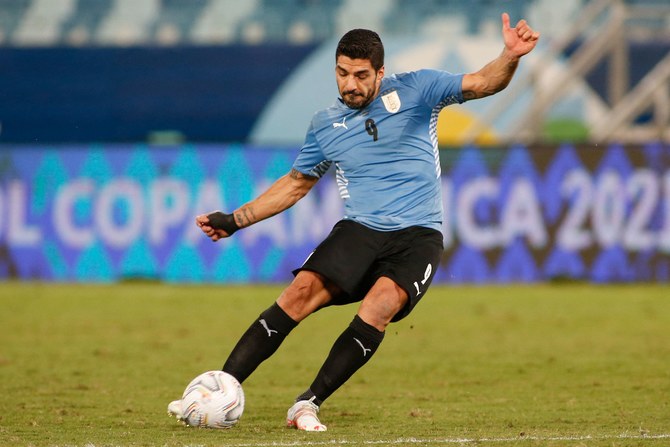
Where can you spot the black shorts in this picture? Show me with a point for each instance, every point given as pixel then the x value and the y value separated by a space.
pixel 354 256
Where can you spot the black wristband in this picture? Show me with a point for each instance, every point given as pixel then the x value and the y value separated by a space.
pixel 223 221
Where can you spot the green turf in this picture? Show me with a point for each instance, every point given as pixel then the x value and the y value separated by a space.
pixel 548 365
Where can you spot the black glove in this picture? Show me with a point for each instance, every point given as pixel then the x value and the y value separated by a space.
pixel 223 221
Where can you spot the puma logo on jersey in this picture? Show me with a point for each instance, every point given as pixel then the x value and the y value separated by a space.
pixel 265 326
pixel 365 350
pixel 342 124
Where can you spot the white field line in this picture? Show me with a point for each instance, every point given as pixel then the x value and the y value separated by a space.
pixel 440 441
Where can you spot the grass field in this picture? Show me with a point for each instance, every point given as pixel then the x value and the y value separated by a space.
pixel 547 365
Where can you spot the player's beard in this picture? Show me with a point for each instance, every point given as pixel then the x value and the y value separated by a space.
pixel 356 100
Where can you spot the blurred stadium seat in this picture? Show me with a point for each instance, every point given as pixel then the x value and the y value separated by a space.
pixel 11 13
pixel 128 22
pixel 42 22
pixel 82 25
pixel 176 22
pixel 219 21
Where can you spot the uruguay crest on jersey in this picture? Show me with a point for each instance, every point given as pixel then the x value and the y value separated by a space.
pixel 391 101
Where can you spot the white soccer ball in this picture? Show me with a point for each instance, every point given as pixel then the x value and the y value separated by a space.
pixel 214 399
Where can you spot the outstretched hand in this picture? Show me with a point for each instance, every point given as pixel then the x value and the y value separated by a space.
pixel 519 40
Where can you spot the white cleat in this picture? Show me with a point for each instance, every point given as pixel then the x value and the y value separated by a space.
pixel 303 416
pixel 174 409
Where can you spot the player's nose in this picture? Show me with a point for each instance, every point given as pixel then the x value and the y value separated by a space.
pixel 351 84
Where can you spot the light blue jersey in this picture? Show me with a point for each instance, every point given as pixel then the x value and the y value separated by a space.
pixel 385 155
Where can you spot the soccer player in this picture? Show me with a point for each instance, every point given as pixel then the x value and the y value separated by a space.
pixel 380 135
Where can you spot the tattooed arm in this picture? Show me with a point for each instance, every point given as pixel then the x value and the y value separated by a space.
pixel 495 75
pixel 281 195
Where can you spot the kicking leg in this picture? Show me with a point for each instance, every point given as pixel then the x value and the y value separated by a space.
pixel 304 295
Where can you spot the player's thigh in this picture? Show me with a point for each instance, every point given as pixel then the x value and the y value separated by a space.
pixel 411 262
pixel 346 257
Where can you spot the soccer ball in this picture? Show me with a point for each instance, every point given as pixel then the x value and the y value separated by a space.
pixel 214 399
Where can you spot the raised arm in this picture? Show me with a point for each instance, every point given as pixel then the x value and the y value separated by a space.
pixel 495 75
pixel 281 195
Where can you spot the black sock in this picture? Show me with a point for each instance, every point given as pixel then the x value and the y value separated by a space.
pixel 351 350
pixel 259 342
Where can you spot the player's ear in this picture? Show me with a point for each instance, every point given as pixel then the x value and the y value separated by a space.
pixel 380 73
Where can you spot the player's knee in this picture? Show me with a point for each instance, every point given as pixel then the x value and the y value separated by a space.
pixel 306 293
pixel 382 303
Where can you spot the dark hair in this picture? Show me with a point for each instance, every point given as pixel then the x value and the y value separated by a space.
pixel 362 44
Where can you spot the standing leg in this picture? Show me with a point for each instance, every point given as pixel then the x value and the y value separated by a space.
pixel 353 349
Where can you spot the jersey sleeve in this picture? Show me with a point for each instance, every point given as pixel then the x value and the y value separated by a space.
pixel 311 160
pixel 438 87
